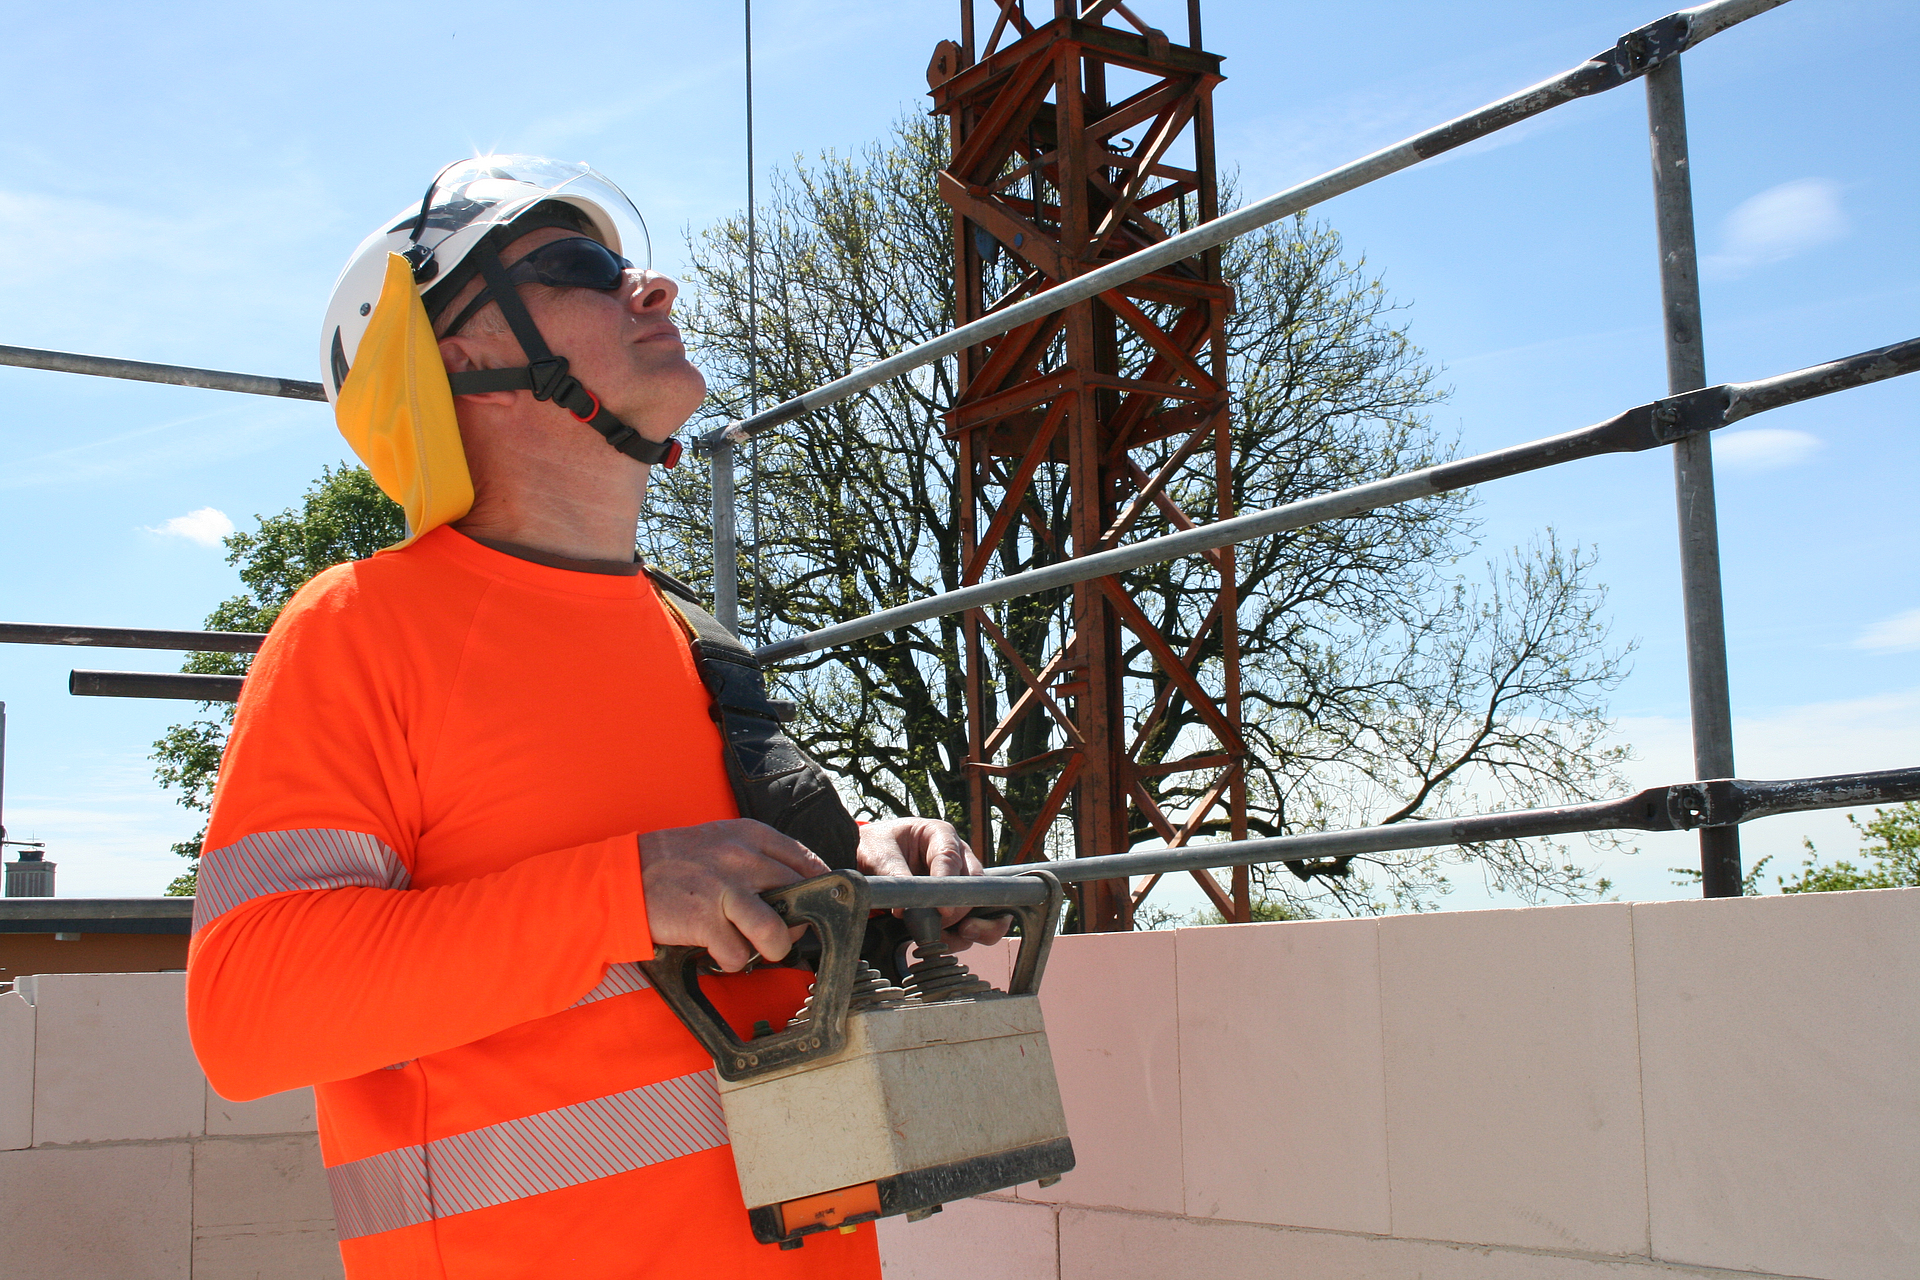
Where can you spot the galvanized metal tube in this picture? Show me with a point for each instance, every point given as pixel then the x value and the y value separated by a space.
pixel 1630 58
pixel 1316 846
pixel 154 684
pixel 252 384
pixel 1706 631
pixel 1681 806
pixel 130 637
pixel 1838 791
pixel 1744 399
pixel 891 892
pixel 726 541
pixel 1643 427
pixel 1656 809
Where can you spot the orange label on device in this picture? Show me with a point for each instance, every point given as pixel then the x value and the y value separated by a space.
pixel 831 1208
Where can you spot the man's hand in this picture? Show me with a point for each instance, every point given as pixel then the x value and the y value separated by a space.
pixel 928 847
pixel 703 887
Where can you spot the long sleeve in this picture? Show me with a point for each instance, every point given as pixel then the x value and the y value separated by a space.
pixel 302 987
pixel 389 870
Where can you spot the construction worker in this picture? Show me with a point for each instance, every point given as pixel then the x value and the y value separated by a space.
pixel 476 777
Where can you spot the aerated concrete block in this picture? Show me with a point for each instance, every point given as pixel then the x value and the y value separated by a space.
pixel 972 1240
pixel 111 1058
pixel 1513 1078
pixel 16 1072
pixel 1111 1007
pixel 1780 1043
pixel 1096 1245
pixel 118 1211
pixel 261 1209
pixel 289 1112
pixel 1283 1096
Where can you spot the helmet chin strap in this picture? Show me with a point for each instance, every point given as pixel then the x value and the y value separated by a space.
pixel 545 374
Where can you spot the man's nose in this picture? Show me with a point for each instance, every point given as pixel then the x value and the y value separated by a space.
pixel 653 292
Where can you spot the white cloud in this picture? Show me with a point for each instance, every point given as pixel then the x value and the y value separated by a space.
pixel 1779 223
pixel 206 526
pixel 1764 448
pixel 1897 634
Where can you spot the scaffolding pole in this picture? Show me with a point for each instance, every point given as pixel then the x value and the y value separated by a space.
pixel 252 384
pixel 726 544
pixel 1641 428
pixel 1706 629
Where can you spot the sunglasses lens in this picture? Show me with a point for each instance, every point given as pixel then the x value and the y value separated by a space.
pixel 576 263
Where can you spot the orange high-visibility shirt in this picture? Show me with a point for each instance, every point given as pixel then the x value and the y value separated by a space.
pixel 421 893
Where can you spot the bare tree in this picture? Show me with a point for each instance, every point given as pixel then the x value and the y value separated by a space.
pixel 1379 685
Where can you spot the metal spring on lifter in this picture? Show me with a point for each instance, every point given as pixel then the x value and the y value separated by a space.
pixel 935 973
pixel 870 988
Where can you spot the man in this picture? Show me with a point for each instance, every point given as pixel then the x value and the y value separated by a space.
pixel 476 777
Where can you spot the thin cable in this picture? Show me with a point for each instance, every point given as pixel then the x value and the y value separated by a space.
pixel 753 339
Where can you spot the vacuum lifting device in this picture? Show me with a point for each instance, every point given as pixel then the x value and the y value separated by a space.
pixel 831 1117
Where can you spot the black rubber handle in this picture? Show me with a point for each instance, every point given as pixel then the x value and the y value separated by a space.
pixel 836 905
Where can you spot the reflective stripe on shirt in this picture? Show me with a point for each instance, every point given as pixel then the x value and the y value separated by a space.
pixel 621 980
pixel 282 861
pixel 529 1156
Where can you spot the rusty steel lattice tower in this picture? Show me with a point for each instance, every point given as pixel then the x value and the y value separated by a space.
pixel 1078 427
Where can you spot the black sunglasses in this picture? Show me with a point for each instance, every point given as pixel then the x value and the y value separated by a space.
pixel 574 263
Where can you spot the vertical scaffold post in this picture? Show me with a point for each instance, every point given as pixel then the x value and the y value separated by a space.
pixel 1693 469
pixel 726 528
pixel 726 550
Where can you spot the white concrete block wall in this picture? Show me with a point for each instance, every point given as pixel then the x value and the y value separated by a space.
pixel 261 1209
pixel 1119 1072
pixel 1682 1089
pixel 1270 1133
pixel 117 1160
pixel 1613 1090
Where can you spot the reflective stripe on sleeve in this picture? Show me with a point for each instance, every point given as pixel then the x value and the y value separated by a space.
pixel 529 1156
pixel 283 861
pixel 621 980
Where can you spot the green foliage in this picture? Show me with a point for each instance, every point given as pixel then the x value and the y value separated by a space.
pixel 1891 841
pixel 1749 883
pixel 186 883
pixel 342 516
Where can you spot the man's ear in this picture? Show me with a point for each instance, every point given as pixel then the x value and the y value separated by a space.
pixel 462 355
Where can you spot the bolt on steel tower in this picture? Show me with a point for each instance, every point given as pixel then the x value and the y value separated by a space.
pixel 1075 142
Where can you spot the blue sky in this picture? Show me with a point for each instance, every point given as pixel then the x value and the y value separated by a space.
pixel 182 183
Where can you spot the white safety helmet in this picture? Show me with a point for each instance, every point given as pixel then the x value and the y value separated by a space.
pixel 471 211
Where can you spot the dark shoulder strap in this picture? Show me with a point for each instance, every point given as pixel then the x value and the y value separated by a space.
pixel 664 579
pixel 710 639
pixel 772 778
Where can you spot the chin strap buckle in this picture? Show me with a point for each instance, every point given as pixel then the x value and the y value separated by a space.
pixel 549 380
